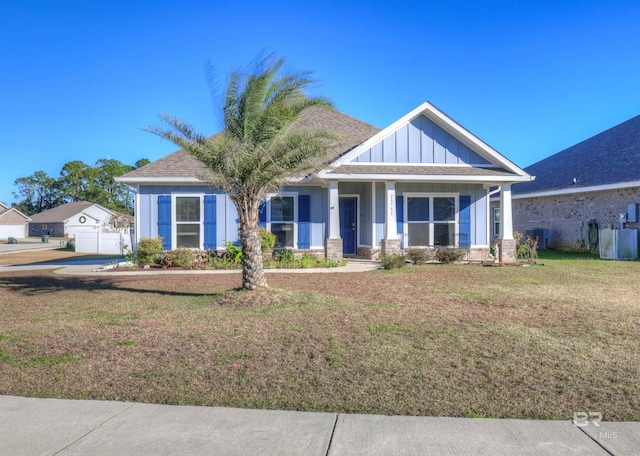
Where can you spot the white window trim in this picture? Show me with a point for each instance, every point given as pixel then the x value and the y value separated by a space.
pixel 174 222
pixel 295 214
pixel 431 195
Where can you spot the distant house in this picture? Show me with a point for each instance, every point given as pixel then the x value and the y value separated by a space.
pixel 595 180
pixel 13 223
pixel 68 219
pixel 423 181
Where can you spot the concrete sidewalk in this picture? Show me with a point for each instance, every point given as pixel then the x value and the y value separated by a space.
pixel 31 426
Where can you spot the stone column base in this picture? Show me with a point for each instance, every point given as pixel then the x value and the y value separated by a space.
pixel 390 246
pixel 507 251
pixel 333 249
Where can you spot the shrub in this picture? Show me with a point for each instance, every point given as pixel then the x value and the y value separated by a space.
pixel 447 255
pixel 180 258
pixel 284 256
pixel 526 248
pixel 149 250
pixel 267 239
pixel 71 245
pixel 395 261
pixel 235 252
pixel 219 260
pixel 419 256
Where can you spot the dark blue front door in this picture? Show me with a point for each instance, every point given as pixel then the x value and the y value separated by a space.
pixel 349 225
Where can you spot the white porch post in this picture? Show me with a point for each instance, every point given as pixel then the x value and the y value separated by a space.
pixel 390 244
pixel 506 242
pixel 334 211
pixel 506 215
pixel 390 224
pixel 333 244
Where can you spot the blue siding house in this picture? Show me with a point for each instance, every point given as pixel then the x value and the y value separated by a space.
pixel 423 181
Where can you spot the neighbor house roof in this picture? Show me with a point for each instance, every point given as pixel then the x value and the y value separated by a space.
pixel 610 159
pixel 64 212
pixel 6 211
pixel 182 166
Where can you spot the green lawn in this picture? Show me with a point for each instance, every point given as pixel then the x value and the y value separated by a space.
pixel 521 342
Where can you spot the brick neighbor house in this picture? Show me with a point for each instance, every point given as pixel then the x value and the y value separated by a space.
pixel 595 180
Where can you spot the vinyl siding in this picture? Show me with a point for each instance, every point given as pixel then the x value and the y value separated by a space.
pixel 420 141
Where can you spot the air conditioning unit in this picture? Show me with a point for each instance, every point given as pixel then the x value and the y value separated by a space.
pixel 541 234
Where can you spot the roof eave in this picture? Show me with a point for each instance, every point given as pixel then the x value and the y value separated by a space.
pixel 425 178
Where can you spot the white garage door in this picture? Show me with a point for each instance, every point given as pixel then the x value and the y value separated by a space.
pixel 16 231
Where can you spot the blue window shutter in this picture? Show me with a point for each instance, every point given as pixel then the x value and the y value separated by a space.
pixel 464 221
pixel 304 222
pixel 164 220
pixel 209 222
pixel 262 214
pixel 400 217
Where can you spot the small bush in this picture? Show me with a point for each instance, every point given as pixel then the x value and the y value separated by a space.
pixel 181 258
pixel 395 261
pixel 419 256
pixel 267 239
pixel 526 247
pixel 234 251
pixel 219 260
pixel 149 250
pixel 71 245
pixel 283 256
pixel 447 255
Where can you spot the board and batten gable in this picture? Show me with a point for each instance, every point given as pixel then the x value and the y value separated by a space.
pixel 420 141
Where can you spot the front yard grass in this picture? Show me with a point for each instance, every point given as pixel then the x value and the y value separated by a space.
pixel 440 340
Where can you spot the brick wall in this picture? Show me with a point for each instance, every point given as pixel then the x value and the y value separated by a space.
pixel 566 216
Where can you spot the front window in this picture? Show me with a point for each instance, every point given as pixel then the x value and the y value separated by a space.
pixel 496 221
pixel 431 221
pixel 188 222
pixel 282 220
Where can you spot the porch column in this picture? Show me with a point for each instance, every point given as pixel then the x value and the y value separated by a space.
pixel 506 243
pixel 333 244
pixel 390 243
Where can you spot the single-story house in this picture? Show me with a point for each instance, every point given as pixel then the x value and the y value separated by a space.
pixel 423 181
pixel 13 223
pixel 68 219
pixel 595 180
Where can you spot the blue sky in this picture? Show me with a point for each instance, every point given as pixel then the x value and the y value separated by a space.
pixel 78 79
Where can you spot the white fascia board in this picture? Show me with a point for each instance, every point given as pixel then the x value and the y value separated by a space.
pixel 425 178
pixel 569 191
pixel 470 139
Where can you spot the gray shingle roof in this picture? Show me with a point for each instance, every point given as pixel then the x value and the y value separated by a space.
pixel 421 170
pixel 610 157
pixel 61 213
pixel 182 164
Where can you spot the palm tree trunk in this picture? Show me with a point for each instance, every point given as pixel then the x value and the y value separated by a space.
pixel 252 267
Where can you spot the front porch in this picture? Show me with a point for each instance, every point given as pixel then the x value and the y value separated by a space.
pixel 369 219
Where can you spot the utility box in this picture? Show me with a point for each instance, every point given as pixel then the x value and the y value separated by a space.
pixel 632 213
pixel 541 234
pixel 618 244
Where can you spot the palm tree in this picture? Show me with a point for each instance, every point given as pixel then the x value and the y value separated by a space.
pixel 259 149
